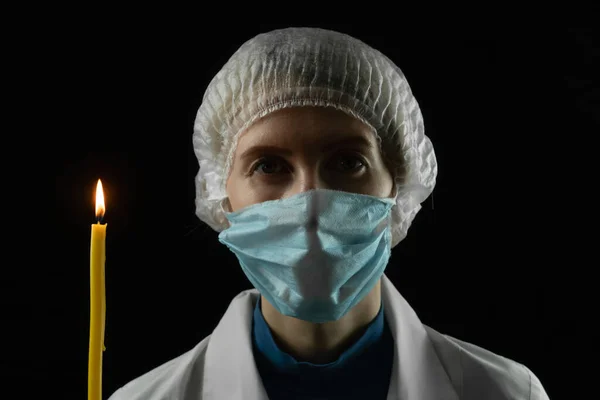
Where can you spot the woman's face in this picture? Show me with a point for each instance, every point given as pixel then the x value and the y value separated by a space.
pixel 298 149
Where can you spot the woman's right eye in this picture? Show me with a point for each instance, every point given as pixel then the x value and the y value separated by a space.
pixel 268 166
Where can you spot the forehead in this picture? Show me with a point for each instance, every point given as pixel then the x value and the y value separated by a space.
pixel 300 126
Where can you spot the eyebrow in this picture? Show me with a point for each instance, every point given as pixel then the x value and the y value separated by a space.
pixel 360 141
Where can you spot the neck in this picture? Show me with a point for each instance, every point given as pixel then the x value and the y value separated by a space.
pixel 325 342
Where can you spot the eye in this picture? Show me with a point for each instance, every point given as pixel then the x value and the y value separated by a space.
pixel 268 166
pixel 349 163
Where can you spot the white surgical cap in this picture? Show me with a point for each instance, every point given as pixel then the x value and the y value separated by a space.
pixel 312 67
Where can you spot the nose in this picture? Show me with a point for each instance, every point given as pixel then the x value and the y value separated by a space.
pixel 308 179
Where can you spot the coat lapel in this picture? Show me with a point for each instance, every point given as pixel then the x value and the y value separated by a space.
pixel 417 372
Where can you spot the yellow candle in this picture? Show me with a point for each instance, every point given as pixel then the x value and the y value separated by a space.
pixel 97 299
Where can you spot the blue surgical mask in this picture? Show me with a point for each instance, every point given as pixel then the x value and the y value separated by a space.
pixel 315 255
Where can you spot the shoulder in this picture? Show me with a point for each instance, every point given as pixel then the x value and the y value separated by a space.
pixel 179 378
pixel 478 373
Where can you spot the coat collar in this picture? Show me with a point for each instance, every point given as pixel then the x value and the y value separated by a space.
pixel 229 368
pixel 417 373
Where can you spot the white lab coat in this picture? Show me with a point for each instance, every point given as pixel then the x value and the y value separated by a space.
pixel 427 365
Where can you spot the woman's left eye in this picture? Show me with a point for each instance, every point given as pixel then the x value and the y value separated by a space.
pixel 349 163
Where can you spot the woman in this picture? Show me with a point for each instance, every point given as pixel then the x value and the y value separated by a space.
pixel 313 164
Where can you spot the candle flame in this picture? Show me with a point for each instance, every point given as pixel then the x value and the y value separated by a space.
pixel 100 207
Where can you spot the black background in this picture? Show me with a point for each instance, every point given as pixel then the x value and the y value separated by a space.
pixel 491 260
